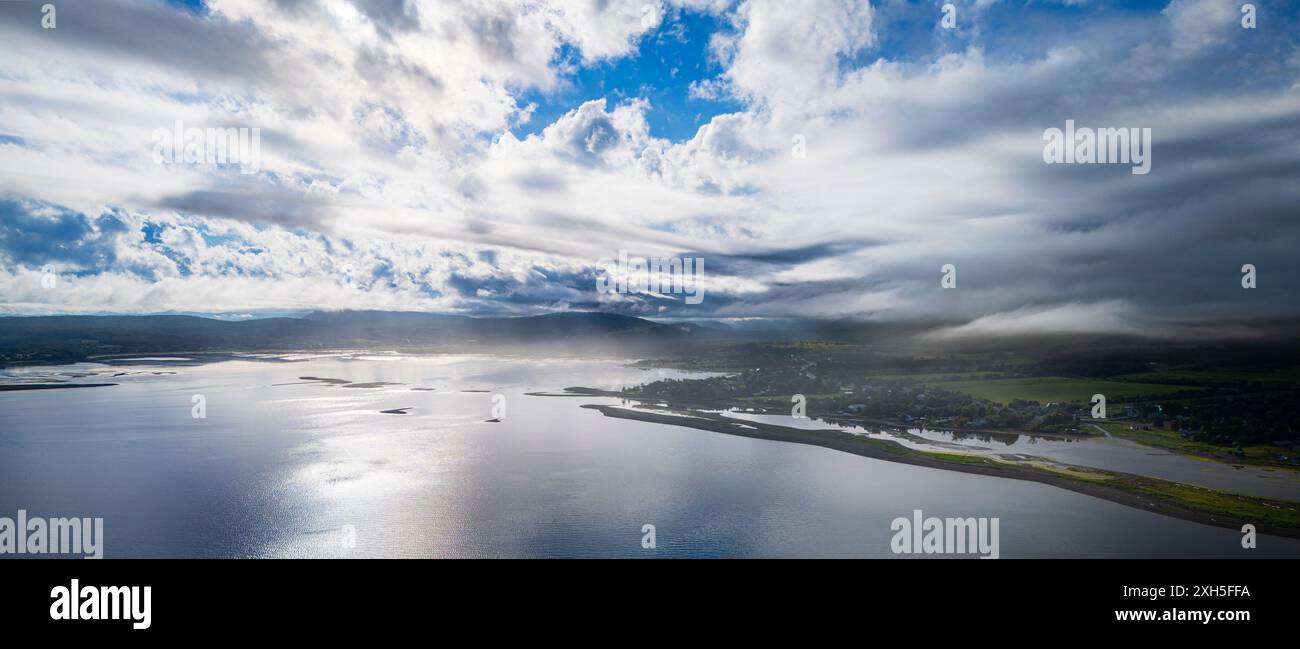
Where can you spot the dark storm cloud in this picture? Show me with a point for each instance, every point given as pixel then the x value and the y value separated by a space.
pixel 780 258
pixel 1101 72
pixel 1172 241
pixel 542 287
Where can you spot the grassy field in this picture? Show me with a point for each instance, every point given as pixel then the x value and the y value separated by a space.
pixel 1046 389
pixel 937 377
pixel 1202 499
pixel 1217 502
pixel 1228 379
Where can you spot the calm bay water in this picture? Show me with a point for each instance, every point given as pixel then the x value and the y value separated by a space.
pixel 279 467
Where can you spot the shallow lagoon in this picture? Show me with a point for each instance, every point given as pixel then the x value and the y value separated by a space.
pixel 1097 451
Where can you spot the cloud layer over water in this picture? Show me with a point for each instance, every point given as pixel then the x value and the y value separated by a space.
pixel 401 169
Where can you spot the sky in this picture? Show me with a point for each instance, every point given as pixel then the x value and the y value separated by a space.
pixel 824 158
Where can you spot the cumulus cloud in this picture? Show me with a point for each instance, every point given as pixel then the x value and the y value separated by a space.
pixel 789 53
pixel 861 159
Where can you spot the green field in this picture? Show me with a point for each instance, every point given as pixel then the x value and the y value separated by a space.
pixel 1047 389
pixel 1229 379
pixel 1202 499
pixel 938 377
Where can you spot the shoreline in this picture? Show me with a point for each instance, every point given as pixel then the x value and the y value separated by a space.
pixel 1140 492
pixel 855 420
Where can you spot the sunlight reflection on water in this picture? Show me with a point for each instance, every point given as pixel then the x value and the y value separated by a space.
pixel 281 465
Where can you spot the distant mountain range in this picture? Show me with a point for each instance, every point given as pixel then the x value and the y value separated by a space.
pixel 63 338
pixel 38 339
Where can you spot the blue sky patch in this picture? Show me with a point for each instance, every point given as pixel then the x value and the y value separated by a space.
pixel 660 70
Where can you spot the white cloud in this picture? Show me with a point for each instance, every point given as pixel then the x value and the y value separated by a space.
pixel 386 146
pixel 787 54
pixel 1113 317
pixel 1201 24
